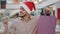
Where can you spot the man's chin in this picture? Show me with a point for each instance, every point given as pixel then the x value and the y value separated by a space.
pixel 21 16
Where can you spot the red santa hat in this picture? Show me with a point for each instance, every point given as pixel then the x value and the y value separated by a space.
pixel 28 6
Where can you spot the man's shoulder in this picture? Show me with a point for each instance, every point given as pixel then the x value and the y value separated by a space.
pixel 35 17
pixel 17 20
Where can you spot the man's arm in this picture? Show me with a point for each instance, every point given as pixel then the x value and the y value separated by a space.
pixel 35 31
pixel 12 29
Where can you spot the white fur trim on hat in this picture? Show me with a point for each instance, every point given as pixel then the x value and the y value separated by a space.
pixel 25 7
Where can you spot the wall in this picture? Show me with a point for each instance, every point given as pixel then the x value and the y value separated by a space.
pixel 57 5
pixel 48 2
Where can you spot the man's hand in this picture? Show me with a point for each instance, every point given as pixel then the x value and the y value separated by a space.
pixel 1 32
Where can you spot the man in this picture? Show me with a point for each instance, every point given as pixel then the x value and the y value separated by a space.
pixel 27 24
pixel 47 12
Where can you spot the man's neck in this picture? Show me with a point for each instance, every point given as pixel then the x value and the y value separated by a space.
pixel 26 18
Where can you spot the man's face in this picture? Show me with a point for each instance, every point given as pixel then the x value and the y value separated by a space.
pixel 47 11
pixel 22 12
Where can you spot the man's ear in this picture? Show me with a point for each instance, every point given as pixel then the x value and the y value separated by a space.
pixel 25 12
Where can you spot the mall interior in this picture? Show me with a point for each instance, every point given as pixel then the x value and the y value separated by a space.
pixel 10 7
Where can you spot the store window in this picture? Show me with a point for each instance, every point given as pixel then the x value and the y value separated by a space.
pixel 3 4
pixel 58 10
pixel 0 4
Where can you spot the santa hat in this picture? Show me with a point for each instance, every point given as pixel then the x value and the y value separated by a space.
pixel 28 6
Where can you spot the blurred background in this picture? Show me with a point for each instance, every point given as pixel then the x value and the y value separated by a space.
pixel 9 7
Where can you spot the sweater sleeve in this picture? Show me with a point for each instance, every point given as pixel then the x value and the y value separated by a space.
pixel 35 31
pixel 12 29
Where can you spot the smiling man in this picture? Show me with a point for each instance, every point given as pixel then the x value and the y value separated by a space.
pixel 27 24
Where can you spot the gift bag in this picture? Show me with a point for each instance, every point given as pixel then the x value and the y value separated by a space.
pixel 47 25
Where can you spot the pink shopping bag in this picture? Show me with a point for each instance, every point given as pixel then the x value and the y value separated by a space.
pixel 47 25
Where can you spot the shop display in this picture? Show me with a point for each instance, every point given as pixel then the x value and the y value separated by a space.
pixel 2 28
pixel 16 1
pixel 58 10
pixel 42 11
pixel 48 11
pixel 0 4
pixel 3 4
